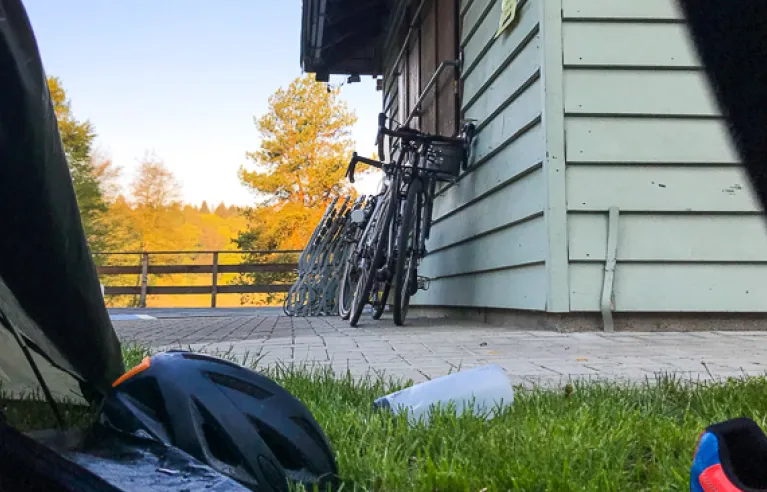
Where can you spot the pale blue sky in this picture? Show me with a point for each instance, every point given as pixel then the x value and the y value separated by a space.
pixel 181 78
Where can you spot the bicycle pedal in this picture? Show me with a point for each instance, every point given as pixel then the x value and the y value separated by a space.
pixel 423 283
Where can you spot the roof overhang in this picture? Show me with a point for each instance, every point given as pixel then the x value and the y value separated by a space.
pixel 343 37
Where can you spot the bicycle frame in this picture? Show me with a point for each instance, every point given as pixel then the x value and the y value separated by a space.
pixel 429 182
pixel 397 196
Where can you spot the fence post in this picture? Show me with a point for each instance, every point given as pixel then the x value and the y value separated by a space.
pixel 214 288
pixel 144 279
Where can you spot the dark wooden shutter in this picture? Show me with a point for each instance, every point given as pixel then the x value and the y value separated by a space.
pixel 447 84
pixel 429 63
pixel 433 41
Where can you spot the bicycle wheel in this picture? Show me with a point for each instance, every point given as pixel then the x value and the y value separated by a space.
pixel 346 290
pixel 368 270
pixel 407 252
pixel 379 303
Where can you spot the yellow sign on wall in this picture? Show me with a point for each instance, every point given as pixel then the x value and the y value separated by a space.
pixel 508 12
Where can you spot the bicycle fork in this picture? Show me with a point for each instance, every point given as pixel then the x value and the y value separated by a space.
pixel 423 231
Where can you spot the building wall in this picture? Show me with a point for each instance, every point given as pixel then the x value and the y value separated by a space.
pixel 488 244
pixel 642 133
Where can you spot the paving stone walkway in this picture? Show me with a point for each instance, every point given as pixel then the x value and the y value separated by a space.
pixel 429 348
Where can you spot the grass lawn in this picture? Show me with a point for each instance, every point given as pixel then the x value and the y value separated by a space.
pixel 591 437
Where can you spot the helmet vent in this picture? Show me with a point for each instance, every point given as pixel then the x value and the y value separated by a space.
pixel 240 385
pixel 288 456
pixel 218 443
pixel 218 446
pixel 311 430
pixel 146 396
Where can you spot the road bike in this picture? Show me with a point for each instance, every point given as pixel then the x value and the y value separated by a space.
pixel 430 159
pixel 363 269
pixel 394 238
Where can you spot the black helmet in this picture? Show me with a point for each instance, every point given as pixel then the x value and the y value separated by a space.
pixel 239 422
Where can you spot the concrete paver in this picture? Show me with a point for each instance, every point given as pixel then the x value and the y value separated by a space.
pixel 429 348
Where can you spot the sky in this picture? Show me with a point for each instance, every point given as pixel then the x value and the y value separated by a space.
pixel 182 79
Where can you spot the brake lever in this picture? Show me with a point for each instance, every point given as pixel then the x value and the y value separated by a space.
pixel 350 169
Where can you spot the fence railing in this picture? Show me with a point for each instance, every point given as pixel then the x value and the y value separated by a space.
pixel 145 268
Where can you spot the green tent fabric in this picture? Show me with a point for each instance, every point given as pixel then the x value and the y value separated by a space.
pixel 49 289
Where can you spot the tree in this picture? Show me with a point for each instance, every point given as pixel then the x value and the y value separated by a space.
pixel 154 185
pixel 305 148
pixel 222 211
pixel 107 174
pixel 157 211
pixel 77 140
pixel 204 209
pixel 305 145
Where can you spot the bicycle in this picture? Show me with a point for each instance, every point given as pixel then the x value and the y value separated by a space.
pixel 358 219
pixel 431 158
pixel 368 256
pixel 393 241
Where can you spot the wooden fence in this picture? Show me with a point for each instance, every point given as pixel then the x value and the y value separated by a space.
pixel 214 269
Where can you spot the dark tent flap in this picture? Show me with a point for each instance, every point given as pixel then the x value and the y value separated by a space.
pixel 51 291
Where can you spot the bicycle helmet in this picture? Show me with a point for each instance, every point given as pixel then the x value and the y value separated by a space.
pixel 237 421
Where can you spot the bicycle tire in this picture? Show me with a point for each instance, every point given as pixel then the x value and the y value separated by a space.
pixel 368 275
pixel 404 270
pixel 344 292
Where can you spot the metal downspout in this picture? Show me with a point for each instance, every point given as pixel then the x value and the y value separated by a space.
pixel 608 294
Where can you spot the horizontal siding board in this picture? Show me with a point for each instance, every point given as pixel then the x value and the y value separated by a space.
pixel 637 92
pixel 517 288
pixel 520 244
pixel 648 140
pixel 475 14
pixel 520 199
pixel 480 105
pixel 674 287
pixel 628 45
pixel 644 237
pixel 515 159
pixel 652 10
pixel 484 54
pixel 660 189
pixel 464 5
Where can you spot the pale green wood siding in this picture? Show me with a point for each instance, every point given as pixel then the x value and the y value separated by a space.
pixel 643 133
pixel 489 243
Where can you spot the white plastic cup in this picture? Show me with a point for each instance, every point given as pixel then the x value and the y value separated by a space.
pixel 487 387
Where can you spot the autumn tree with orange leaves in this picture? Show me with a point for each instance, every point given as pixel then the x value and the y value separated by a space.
pixel 305 147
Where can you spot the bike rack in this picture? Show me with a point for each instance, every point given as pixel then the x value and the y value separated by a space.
pixel 321 265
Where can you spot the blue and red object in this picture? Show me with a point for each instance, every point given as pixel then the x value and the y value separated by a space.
pixel 731 456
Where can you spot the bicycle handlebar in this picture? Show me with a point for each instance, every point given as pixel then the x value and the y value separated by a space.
pixel 410 134
pixel 353 165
